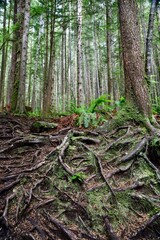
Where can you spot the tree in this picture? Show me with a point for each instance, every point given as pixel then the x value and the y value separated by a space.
pixel 136 90
pixel 80 97
pixel 4 57
pixel 22 77
pixel 148 62
pixel 49 81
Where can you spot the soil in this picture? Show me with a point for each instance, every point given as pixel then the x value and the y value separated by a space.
pixel 74 183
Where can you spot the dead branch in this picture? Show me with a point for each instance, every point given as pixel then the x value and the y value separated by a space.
pixel 67 233
pixel 111 234
pixel 139 147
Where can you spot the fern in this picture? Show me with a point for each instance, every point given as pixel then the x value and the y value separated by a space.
pixel 97 102
pixel 88 116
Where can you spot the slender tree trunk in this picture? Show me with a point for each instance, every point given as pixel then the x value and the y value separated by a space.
pixel 63 67
pixel 49 84
pixel 4 59
pixel 34 89
pixel 136 90
pixel 21 91
pixel 45 71
pixel 148 62
pixel 80 94
pixel 108 45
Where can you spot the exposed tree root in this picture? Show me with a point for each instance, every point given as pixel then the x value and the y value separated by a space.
pixel 140 146
pixel 66 232
pixel 112 235
pixel 61 184
pixel 146 225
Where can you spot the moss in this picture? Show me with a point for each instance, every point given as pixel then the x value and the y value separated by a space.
pixel 97 207
pixel 120 215
pixel 127 113
pixel 142 171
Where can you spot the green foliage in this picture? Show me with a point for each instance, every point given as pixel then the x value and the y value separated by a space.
pixel 156 106
pixel 97 102
pixel 78 178
pixel 121 102
pixel 36 113
pixel 88 116
pixel 155 142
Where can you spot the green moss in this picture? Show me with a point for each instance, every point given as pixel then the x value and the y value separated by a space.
pixel 97 203
pixel 119 213
pixel 126 114
pixel 143 171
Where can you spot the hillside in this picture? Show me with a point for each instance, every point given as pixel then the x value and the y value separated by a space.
pixel 74 183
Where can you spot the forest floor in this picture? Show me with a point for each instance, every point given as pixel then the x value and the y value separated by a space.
pixel 72 183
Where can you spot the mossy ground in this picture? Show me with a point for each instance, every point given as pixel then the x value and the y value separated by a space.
pixel 79 178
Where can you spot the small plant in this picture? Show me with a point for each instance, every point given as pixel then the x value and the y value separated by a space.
pixel 78 178
pixel 89 116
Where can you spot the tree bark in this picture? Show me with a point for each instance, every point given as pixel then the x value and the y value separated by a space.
pixel 80 96
pixel 21 91
pixel 148 60
pixel 3 62
pixel 136 90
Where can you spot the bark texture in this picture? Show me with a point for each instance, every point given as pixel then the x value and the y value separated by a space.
pixel 80 97
pixel 148 62
pixel 136 90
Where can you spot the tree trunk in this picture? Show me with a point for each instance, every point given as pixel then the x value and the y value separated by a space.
pixel 80 95
pixel 148 61
pixel 15 58
pixel 108 45
pixel 48 88
pixel 136 90
pixel 21 91
pixel 3 62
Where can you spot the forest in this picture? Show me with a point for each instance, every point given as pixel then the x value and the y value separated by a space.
pixel 79 119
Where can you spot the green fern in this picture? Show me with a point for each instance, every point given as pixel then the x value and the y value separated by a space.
pixel 97 102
